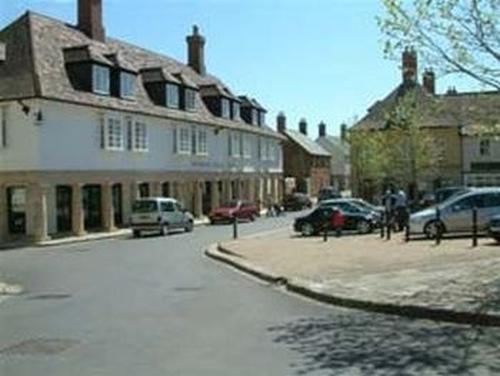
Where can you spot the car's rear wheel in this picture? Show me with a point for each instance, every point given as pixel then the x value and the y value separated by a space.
pixel 189 227
pixel 307 229
pixel 363 227
pixel 136 234
pixel 432 228
pixel 164 230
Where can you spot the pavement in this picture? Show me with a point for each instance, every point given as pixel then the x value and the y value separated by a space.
pixel 451 282
pixel 157 306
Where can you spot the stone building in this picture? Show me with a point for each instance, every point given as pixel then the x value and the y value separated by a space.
pixel 303 159
pixel 89 123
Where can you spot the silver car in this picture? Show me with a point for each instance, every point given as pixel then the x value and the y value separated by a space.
pixel 456 213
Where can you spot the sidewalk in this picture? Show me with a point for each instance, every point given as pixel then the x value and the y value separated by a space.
pixel 452 282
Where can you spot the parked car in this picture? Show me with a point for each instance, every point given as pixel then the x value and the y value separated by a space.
pixel 366 205
pixel 494 228
pixel 327 193
pixel 442 194
pixel 456 213
pixel 314 222
pixel 297 201
pixel 161 215
pixel 349 205
pixel 234 209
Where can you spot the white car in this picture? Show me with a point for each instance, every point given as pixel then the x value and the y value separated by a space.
pixel 159 215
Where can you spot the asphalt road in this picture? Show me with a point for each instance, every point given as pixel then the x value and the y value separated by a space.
pixel 157 306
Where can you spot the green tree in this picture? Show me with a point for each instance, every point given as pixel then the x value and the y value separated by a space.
pixel 454 36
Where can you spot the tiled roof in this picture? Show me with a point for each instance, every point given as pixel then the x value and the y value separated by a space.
pixel 450 110
pixel 307 144
pixel 333 144
pixel 36 67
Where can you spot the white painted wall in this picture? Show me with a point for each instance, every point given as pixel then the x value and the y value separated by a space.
pixel 69 139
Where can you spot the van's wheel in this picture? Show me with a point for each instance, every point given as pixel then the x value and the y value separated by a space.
pixel 136 233
pixel 164 230
pixel 431 229
pixel 189 226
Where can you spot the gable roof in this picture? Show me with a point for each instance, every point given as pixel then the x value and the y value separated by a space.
pixel 333 144
pixel 306 143
pixel 36 67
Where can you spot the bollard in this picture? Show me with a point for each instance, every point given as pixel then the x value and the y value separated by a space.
pixel 388 224
pixel 235 227
pixel 474 226
pixel 438 227
pixel 325 232
pixel 382 224
pixel 407 226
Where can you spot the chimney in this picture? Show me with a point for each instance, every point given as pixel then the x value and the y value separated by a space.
pixel 410 65
pixel 303 127
pixel 429 81
pixel 90 19
pixel 196 51
pixel 322 129
pixel 281 121
pixel 343 132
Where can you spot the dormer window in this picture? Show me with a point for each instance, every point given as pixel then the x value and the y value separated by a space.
pixel 127 85
pixel 236 111
pixel 190 99
pixel 255 117
pixel 225 108
pixel 172 92
pixel 262 118
pixel 100 79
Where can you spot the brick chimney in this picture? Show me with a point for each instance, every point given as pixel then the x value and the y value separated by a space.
pixel 410 65
pixel 281 121
pixel 429 81
pixel 196 51
pixel 90 19
pixel 303 127
pixel 322 129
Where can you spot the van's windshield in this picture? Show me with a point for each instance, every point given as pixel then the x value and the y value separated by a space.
pixel 145 206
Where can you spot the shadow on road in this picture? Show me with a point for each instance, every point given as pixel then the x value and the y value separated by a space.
pixel 384 345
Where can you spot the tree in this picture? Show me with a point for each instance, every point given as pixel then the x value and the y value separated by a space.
pixel 454 36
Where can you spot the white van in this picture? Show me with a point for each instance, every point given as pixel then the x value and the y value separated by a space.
pixel 159 214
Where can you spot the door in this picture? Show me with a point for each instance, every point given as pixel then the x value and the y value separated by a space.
pixel 144 190
pixel 165 189
pixel 180 215
pixel 169 214
pixel 458 216
pixel 207 198
pixel 92 207
pixel 16 210
pixel 488 206
pixel 117 204
pixel 63 208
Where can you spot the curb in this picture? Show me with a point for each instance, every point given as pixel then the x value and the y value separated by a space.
pixel 219 253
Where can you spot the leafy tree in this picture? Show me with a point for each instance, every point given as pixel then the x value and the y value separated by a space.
pixel 454 36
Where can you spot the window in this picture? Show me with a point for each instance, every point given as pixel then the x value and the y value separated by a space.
pixel 172 95
pixel 184 141
pixel 127 85
pixel 114 134
pixel 130 132
pixel 100 79
pixel 247 146
pixel 190 99
pixel 225 108
pixel 484 147
pixel 255 117
pixel 262 118
pixel 236 111
pixel 167 206
pixel 140 136
pixel 234 144
pixel 202 142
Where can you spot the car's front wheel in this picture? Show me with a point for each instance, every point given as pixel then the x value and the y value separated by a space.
pixel 432 229
pixel 189 227
pixel 164 229
pixel 307 229
pixel 136 234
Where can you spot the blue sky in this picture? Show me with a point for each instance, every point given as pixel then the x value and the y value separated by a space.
pixel 317 59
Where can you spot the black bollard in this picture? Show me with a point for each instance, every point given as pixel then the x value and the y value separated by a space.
pixel 407 225
pixel 474 226
pixel 388 224
pixel 438 226
pixel 382 226
pixel 325 233
pixel 235 227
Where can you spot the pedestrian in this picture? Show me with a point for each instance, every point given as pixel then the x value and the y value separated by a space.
pixel 401 205
pixel 389 200
pixel 338 221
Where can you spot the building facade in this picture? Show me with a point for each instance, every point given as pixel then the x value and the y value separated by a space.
pixel 90 123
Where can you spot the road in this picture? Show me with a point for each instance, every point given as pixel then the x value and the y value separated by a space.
pixel 157 306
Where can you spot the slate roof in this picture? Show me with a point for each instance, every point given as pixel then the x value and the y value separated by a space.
pixel 448 110
pixel 306 143
pixel 333 144
pixel 35 67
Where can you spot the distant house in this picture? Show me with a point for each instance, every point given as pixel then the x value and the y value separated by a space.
pixel 453 118
pixel 303 159
pixel 340 166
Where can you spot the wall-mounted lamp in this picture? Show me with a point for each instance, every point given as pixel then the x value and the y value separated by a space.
pixel 38 118
pixel 217 130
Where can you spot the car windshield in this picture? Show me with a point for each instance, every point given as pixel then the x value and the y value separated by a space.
pixel 364 205
pixel 145 206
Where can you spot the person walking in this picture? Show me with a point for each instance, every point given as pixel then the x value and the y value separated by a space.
pixel 389 200
pixel 401 205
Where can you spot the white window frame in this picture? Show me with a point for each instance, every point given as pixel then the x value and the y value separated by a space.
pixel 247 146
pixel 101 79
pixel 170 93
pixel 202 142
pixel 183 140
pixel 113 134
pixel 190 99
pixel 485 147
pixel 140 136
pixel 262 118
pixel 235 144
pixel 225 108
pixel 236 111
pixel 255 116
pixel 127 85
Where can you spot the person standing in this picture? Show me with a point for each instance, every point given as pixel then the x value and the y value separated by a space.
pixel 401 205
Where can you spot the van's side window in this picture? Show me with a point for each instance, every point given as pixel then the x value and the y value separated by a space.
pixel 464 204
pixel 178 206
pixel 167 206
pixel 491 200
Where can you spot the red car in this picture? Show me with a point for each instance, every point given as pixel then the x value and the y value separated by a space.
pixel 234 209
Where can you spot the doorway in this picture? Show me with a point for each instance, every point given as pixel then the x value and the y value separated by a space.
pixel 144 190
pixel 16 210
pixel 64 195
pixel 92 207
pixel 117 204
